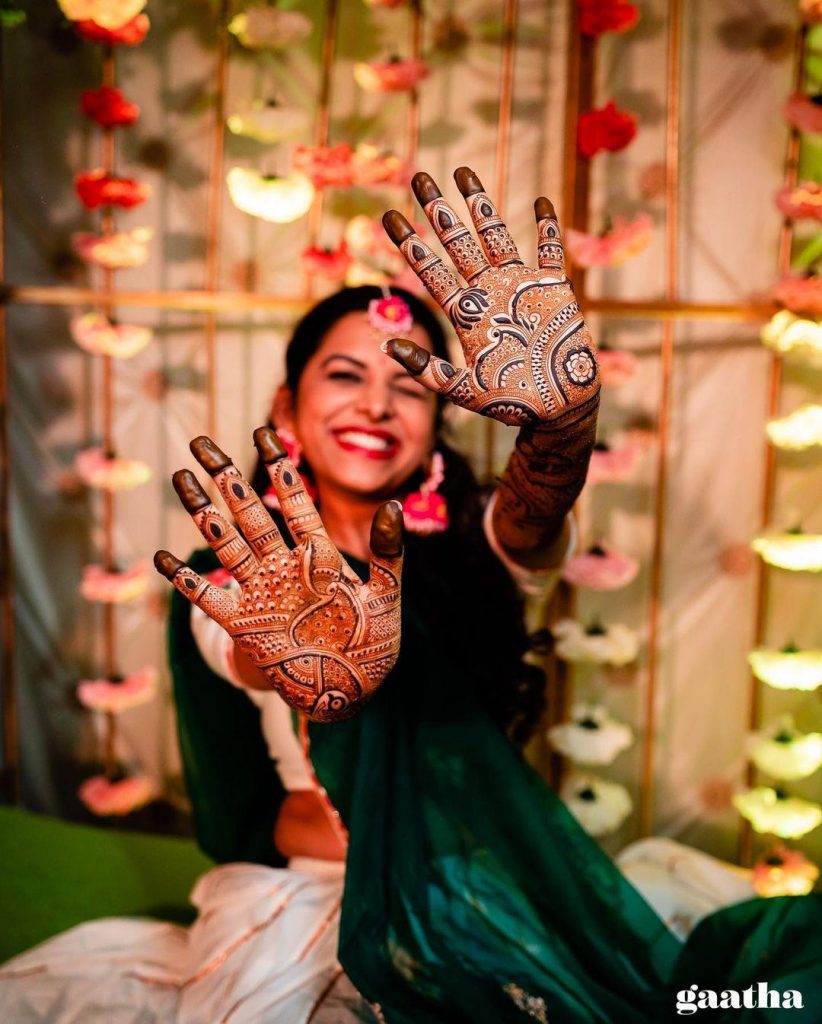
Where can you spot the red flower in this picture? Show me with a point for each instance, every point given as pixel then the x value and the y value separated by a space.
pixel 108 107
pixel 130 34
pixel 326 166
pixel 332 264
pixel 96 188
pixel 599 16
pixel 607 128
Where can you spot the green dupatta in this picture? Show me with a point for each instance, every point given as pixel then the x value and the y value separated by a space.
pixel 471 894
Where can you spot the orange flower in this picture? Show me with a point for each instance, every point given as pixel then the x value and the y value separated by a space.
pixel 599 16
pixel 123 249
pixel 624 240
pixel 114 587
pixel 130 34
pixel 109 473
pixel 800 294
pixel 108 107
pixel 802 202
pixel 606 128
pixel 393 75
pixel 804 112
pixel 332 264
pixel 98 188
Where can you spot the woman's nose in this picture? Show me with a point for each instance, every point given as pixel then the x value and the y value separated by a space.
pixel 376 401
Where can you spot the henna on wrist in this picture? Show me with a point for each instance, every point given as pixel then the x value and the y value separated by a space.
pixel 541 482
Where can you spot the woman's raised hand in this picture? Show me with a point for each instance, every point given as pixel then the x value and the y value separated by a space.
pixel 324 640
pixel 529 354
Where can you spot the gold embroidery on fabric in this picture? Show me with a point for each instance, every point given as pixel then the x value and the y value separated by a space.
pixel 532 1005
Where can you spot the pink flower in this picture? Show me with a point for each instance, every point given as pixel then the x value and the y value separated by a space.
pixel 122 249
pixel 616 367
pixel 341 166
pixel 94 333
pixel 804 112
pixel 800 294
pixel 624 240
pixel 114 587
pixel 390 315
pixel 115 696
pixel 109 473
pixel 600 569
pixel 612 465
pixel 803 202
pixel 393 75
pixel 116 799
pixel 332 264
pixel 605 129
pixel 98 188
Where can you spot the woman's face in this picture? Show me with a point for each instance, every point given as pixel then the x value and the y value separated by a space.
pixel 365 425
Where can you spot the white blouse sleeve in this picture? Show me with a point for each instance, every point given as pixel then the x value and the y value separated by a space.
pixel 532 582
pixel 215 646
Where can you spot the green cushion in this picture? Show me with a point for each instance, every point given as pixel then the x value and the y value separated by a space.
pixel 54 875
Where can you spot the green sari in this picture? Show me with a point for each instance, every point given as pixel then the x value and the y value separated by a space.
pixel 471 893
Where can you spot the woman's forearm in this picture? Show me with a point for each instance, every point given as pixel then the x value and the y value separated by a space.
pixel 540 484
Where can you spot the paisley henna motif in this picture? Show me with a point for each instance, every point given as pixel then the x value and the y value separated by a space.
pixel 323 640
pixel 530 358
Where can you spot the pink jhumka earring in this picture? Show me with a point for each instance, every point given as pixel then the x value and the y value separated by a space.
pixel 294 450
pixel 424 511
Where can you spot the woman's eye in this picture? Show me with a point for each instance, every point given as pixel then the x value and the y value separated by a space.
pixel 344 375
pixel 412 392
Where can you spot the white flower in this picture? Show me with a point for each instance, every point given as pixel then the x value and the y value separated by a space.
pixel 799 430
pixel 597 645
pixel 789 669
pixel 770 810
pixel 799 552
pixel 599 806
pixel 264 27
pixel 784 752
pixel 592 736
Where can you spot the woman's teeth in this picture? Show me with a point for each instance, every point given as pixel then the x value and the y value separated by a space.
pixel 368 441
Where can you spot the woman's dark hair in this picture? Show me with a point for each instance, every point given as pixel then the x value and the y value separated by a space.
pixel 487 604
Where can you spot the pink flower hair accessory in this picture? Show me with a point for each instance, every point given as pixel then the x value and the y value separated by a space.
pixel 390 315
pixel 425 511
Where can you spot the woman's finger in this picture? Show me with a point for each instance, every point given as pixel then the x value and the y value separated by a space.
pixel 302 518
pixel 253 518
pixel 459 243
pixel 386 549
pixel 496 240
pixel 551 251
pixel 217 603
pixel 439 281
pixel 438 375
pixel 220 535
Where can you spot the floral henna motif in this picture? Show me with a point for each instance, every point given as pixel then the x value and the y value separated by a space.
pixel 530 358
pixel 321 638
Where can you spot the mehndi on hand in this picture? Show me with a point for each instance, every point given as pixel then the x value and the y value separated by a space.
pixel 323 640
pixel 529 355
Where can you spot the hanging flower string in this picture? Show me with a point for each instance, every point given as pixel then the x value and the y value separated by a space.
pixel 111 23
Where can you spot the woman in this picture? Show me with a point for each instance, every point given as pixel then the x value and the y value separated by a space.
pixel 470 894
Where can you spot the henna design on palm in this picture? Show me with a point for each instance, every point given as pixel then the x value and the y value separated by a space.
pixel 323 640
pixel 530 358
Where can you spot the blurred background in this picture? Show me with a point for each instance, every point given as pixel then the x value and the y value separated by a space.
pixel 149 300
